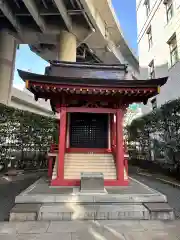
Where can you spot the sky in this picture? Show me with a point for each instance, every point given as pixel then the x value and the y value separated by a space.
pixel 29 61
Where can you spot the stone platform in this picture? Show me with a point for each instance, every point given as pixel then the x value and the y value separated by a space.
pixel 137 202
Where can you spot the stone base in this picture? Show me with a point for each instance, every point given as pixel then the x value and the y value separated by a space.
pixel 24 212
pixel 72 211
pixel 137 201
pixel 62 212
pixel 160 211
pixel 92 183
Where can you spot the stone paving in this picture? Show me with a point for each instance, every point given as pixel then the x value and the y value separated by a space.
pixel 173 194
pixel 91 230
pixel 126 230
pixel 42 187
pixel 10 187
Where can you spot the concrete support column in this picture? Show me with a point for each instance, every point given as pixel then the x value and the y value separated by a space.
pixel 67 47
pixel 7 64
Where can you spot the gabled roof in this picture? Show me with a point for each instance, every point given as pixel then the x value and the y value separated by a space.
pixel 84 74
pixel 82 80
pixel 90 81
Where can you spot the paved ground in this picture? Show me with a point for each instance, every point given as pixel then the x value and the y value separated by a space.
pixel 9 188
pixel 102 230
pixel 42 187
pixel 173 194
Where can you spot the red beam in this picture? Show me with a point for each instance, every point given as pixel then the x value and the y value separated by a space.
pixel 90 110
pixel 87 150
pixel 70 97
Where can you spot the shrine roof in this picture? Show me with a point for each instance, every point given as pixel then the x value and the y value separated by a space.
pixel 88 65
pixel 90 81
pixel 80 80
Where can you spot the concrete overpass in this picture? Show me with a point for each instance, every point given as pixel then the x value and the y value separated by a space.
pixel 68 30
pixel 24 100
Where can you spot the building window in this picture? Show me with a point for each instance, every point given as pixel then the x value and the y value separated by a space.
pixel 169 9
pixel 149 33
pixel 173 50
pixel 147 5
pixel 154 103
pixel 151 70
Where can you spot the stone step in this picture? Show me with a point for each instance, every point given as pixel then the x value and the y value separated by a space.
pixel 92 161
pixel 75 170
pixel 77 176
pixel 85 157
pixel 75 163
pixel 88 160
pixel 65 212
pixel 89 156
pixel 98 168
pixel 106 177
pixel 66 172
pixel 87 166
pixel 25 212
pixel 104 171
pixel 160 211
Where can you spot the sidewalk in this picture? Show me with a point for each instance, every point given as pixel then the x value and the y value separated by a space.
pixel 87 230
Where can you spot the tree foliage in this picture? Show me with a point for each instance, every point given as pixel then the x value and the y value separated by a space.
pixel 156 136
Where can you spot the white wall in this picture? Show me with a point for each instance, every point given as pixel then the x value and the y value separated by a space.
pixel 161 33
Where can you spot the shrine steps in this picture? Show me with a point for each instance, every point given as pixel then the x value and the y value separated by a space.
pixel 75 163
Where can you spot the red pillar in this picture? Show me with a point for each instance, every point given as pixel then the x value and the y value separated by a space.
pixel 112 131
pixel 62 145
pixel 119 147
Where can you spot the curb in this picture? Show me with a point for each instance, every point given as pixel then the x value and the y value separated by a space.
pixel 173 184
pixel 176 185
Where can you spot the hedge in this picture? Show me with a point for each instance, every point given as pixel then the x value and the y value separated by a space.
pixel 25 138
pixel 155 137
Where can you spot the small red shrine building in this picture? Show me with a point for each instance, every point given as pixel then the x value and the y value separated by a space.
pixel 92 100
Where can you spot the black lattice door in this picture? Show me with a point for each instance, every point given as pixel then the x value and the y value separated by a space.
pixel 88 130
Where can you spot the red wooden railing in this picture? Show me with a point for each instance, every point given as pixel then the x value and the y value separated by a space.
pixel 125 156
pixel 53 148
